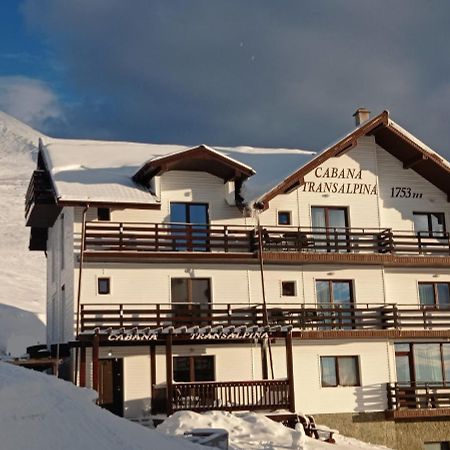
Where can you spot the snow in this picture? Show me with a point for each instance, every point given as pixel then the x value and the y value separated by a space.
pixel 22 273
pixel 248 431
pixel 102 171
pixel 40 412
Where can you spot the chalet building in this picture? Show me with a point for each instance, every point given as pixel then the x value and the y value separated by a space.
pixel 254 279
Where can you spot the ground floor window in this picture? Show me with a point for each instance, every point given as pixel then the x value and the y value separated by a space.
pixel 193 368
pixel 436 445
pixel 339 371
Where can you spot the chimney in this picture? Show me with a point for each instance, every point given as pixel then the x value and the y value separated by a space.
pixel 361 115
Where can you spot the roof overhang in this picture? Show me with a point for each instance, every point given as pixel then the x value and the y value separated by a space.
pixel 197 159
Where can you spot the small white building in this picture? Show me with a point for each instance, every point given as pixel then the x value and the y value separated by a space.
pixel 248 278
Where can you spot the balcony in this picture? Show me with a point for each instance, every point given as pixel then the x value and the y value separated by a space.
pixel 103 239
pixel 415 400
pixel 302 318
pixel 40 203
pixel 262 395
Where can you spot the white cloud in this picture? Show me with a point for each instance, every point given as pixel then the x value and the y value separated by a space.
pixel 29 100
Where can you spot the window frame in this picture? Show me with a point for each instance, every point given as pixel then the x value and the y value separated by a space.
pixel 330 281
pixel 435 284
pixel 294 283
pixel 192 359
pixel 287 214
pixel 99 280
pixel 430 232
pixel 108 215
pixel 336 358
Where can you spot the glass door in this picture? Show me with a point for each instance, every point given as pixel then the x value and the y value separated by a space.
pixel 190 229
pixel 331 226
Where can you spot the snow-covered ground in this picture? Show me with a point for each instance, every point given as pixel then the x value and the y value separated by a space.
pixel 41 412
pixel 22 273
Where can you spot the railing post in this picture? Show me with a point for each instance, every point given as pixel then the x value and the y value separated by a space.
pixel 157 237
pixel 120 236
pixel 189 240
pixel 302 318
pixel 391 241
pixel 395 316
pixel 419 242
pixel 121 315
pixel 158 315
pixel 389 396
pixel 229 313
pixel 225 238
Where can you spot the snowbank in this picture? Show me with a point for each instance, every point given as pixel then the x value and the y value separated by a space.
pixel 40 412
pixel 250 431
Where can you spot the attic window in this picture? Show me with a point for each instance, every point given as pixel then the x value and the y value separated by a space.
pixel 284 218
pixel 103 214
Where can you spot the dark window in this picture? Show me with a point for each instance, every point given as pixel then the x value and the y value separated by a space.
pixel 288 289
pixel 434 294
pixel 330 228
pixel 103 214
pixel 103 286
pixel 193 368
pixel 190 229
pixel 192 299
pixel 429 224
pixel 284 218
pixel 339 371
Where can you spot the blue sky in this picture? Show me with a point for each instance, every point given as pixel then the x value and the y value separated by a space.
pixel 225 72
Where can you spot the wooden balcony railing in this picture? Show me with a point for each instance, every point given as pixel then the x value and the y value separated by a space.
pixel 224 396
pixel 177 237
pixel 302 317
pixel 418 395
pixel 39 190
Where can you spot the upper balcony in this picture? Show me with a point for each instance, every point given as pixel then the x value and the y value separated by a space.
pixel 278 243
pixel 41 210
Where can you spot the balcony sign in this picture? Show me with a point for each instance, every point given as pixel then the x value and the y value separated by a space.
pixel 231 335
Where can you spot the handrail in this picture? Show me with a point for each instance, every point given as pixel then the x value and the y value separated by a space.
pixel 187 237
pixel 418 395
pixel 308 317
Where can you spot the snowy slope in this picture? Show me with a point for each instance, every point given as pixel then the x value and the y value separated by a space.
pixel 22 273
pixel 40 412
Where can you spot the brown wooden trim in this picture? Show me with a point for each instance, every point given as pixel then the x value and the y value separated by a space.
pixel 95 362
pixel 351 258
pixel 290 371
pixel 339 148
pixel 82 366
pixel 169 374
pixel 414 414
pixel 152 370
pixel 371 334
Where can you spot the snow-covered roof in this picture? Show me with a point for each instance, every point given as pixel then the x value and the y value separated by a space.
pixel 102 171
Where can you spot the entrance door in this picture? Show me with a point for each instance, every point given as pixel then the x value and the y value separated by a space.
pixel 110 395
pixel 331 224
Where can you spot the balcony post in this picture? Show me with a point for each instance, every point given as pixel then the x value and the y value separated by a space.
pixel 290 371
pixel 82 366
pixel 95 362
pixel 152 374
pixel 169 375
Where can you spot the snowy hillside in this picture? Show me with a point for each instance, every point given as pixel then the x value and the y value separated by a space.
pixel 22 274
pixel 40 412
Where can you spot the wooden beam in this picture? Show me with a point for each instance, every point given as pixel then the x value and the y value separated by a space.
pixel 82 366
pixel 290 371
pixel 152 372
pixel 169 375
pixel 414 161
pixel 95 362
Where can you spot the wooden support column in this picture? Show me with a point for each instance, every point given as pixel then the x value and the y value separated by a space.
pixel 95 362
pixel 82 366
pixel 290 371
pixel 152 373
pixel 169 375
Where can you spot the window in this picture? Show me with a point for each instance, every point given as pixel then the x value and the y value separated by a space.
pixel 339 371
pixel 288 289
pixel 103 286
pixel 434 294
pixel 422 363
pixel 284 218
pixel 103 214
pixel 335 297
pixel 191 298
pixel 193 368
pixel 195 236
pixel 429 224
pixel 330 228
